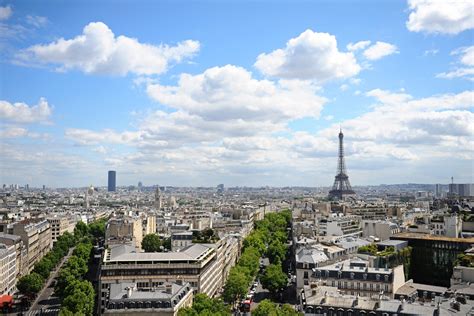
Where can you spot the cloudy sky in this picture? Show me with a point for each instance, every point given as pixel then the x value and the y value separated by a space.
pixel 235 92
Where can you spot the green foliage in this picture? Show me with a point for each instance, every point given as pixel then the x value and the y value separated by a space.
pixel 44 267
pixel 268 308
pixel 369 249
pixel 465 260
pixel 236 285
pixel 81 230
pixel 80 301
pixel 151 243
pixel 205 236
pixel 276 251
pixel 268 238
pixel 97 228
pixel 256 240
pixel 204 306
pixel 167 243
pixel 30 284
pixel 274 279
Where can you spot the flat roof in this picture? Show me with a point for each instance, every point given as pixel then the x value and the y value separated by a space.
pixel 122 253
pixel 433 237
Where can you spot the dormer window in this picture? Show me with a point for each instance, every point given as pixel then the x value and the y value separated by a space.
pixel 386 278
pixel 377 277
pixel 352 275
pixel 365 276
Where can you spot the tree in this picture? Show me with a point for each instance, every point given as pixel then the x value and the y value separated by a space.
pixel 44 267
pixel 30 284
pixel 236 285
pixel 203 305
pixel 266 308
pixel 288 310
pixel 97 228
pixel 276 251
pixel 167 243
pixel 79 302
pixel 83 250
pixel 274 279
pixel 65 278
pixel 77 266
pixel 250 260
pixel 255 240
pixel 81 230
pixel 151 243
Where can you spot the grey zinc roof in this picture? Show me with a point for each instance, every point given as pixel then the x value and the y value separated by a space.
pixel 311 256
pixel 127 253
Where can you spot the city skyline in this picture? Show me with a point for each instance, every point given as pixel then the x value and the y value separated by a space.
pixel 245 94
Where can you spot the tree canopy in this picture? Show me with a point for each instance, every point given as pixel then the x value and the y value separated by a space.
pixel 151 243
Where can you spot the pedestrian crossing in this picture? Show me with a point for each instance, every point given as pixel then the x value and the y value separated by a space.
pixel 45 311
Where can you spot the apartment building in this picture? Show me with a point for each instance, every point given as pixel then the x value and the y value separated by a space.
pixel 355 277
pixel 36 236
pixel 21 253
pixel 127 299
pixel 7 269
pixel 197 265
pixel 61 224
pixel 339 226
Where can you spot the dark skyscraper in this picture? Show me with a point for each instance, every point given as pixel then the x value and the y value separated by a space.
pixel 112 181
pixel 341 186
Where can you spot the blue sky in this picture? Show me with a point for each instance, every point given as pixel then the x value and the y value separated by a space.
pixel 241 93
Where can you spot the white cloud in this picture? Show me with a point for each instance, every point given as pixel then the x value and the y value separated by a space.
pixel 5 12
pixel 379 50
pixel 343 87
pixel 431 52
pixel 440 16
pixel 359 45
pixel 13 132
pixel 467 55
pixel 311 55
pixel 23 113
pixel 87 137
pixel 230 93
pixel 466 60
pixel 36 20
pixel 97 50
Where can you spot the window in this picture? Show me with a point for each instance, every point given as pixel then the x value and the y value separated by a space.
pixel 305 275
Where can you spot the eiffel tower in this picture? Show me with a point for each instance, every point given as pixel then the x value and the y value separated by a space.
pixel 342 186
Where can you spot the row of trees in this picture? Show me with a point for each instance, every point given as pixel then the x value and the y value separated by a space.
pixel 77 294
pixel 268 239
pixel 29 285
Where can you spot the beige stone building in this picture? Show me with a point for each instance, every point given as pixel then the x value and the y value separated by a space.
pixel 124 229
pixel 61 224
pixel 36 236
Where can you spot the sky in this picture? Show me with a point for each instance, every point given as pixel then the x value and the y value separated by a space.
pixel 245 93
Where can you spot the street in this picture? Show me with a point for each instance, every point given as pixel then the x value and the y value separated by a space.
pixel 46 303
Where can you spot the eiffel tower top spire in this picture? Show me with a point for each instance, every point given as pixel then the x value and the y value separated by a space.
pixel 342 186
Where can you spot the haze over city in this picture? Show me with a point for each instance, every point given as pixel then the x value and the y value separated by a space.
pixel 242 93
